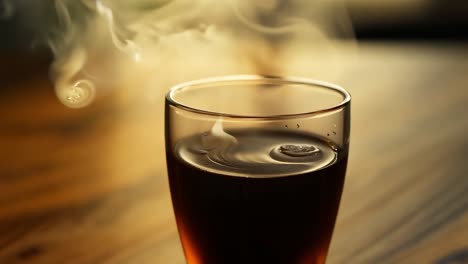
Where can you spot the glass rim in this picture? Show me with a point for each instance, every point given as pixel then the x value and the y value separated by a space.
pixel 258 78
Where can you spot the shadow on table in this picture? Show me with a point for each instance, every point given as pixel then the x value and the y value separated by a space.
pixel 457 257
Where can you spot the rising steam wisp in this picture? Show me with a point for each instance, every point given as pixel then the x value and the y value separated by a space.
pixel 100 44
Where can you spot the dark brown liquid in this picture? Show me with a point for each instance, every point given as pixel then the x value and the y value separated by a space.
pixel 224 219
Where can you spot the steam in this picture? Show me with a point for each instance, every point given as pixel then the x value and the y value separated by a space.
pixel 77 93
pixel 100 45
pixel 291 26
pixel 217 139
pixel 126 45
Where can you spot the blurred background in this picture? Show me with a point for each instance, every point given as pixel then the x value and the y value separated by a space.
pixel 390 20
pixel 29 30
pixel 88 184
pixel 410 19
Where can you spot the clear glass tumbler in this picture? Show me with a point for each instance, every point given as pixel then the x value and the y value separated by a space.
pixel 256 167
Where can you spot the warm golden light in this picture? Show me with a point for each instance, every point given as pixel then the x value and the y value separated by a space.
pixel 147 45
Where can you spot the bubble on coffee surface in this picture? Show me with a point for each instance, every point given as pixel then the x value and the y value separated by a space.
pixel 255 153
pixel 296 153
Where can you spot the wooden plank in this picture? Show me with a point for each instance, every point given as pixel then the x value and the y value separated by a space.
pixel 89 185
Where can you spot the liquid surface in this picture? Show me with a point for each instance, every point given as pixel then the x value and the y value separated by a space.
pixel 232 206
pixel 257 154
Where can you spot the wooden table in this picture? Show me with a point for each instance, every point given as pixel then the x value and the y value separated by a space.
pixel 89 185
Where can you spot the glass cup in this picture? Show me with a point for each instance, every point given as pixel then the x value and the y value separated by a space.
pixel 256 167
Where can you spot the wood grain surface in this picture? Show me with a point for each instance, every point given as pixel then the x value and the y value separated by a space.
pixel 89 185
